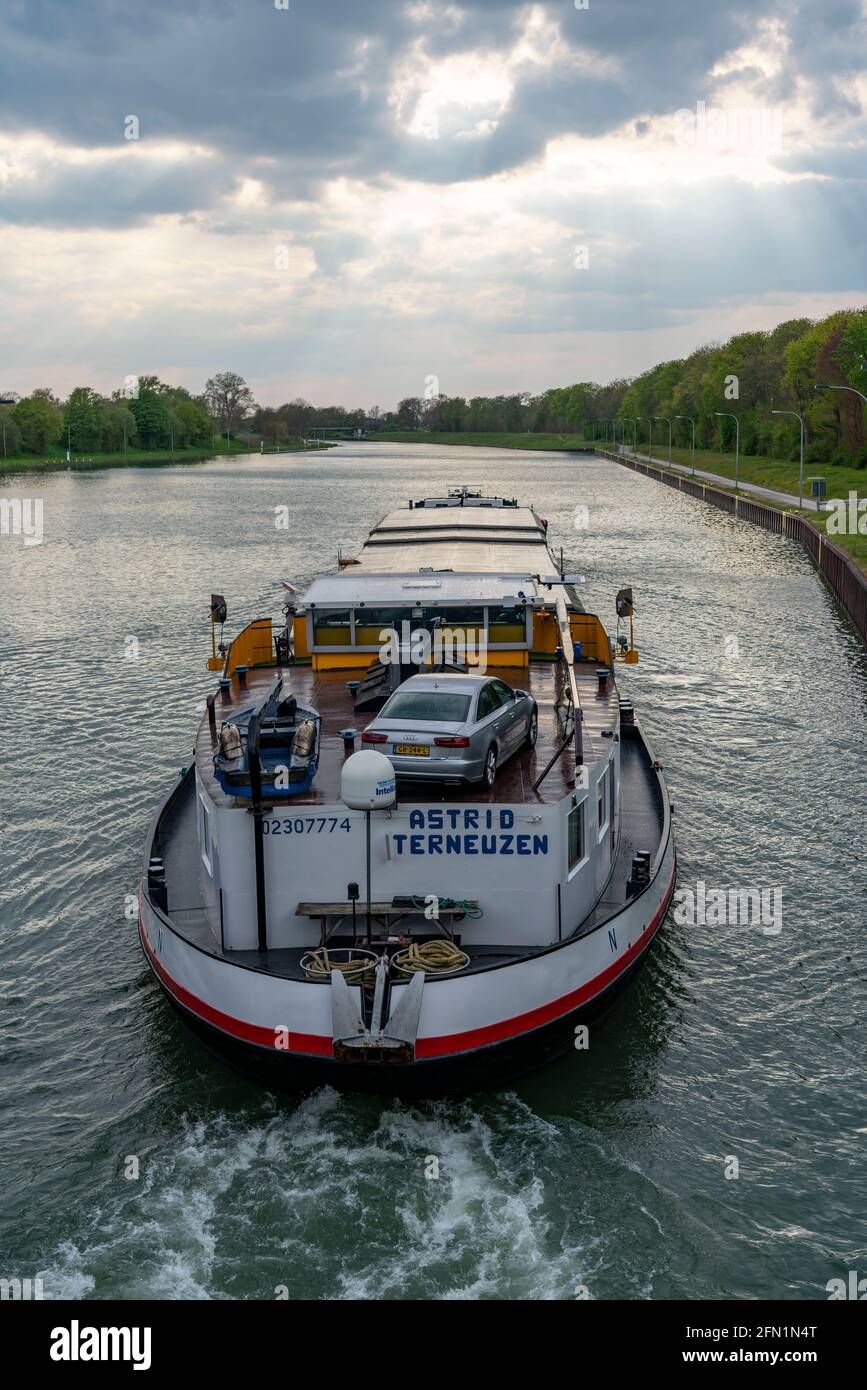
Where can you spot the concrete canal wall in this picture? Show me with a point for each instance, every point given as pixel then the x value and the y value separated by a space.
pixel 843 577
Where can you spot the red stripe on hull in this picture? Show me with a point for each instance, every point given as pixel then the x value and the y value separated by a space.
pixel 246 1032
pixel 546 1013
pixel 314 1044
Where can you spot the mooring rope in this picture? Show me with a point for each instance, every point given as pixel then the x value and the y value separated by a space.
pixel 434 957
pixel 318 965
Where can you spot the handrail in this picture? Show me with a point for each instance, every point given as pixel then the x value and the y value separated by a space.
pixel 569 657
pixel 566 654
pixel 255 769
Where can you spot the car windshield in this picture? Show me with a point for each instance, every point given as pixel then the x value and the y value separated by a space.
pixel 435 706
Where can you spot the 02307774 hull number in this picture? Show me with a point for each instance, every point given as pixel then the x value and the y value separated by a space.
pixel 306 825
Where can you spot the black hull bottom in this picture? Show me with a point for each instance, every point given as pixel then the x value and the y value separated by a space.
pixel 497 1064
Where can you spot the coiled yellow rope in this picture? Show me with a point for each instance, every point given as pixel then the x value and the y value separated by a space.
pixel 434 957
pixel 318 965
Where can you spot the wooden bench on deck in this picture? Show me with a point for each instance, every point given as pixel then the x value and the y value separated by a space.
pixel 386 915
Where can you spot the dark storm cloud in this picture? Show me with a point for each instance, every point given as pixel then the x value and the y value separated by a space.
pixel 844 161
pixel 299 99
pixel 827 46
pixel 119 192
pixel 308 88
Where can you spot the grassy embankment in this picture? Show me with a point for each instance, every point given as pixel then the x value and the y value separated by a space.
pixel 780 474
pixel 56 457
pixel 783 477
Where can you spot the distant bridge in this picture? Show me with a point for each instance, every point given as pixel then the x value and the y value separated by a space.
pixel 337 432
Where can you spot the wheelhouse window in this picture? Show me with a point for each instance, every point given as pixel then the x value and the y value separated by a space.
pixel 381 617
pixel 575 835
pixel 506 625
pixel 370 622
pixel 331 627
pixel 458 617
pixel 434 706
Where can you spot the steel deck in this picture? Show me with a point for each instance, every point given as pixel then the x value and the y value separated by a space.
pixel 326 691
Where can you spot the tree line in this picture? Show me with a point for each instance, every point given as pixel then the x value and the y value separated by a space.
pixel 145 414
pixel 749 376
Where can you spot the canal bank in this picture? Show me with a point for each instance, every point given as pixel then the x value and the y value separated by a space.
pixel 156 458
pixel 841 573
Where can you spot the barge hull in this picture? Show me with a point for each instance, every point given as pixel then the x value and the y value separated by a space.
pixel 451 1073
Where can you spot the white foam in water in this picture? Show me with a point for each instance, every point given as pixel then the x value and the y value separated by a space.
pixel 331 1200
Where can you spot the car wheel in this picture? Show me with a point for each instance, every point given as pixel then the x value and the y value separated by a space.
pixel 489 776
pixel 532 730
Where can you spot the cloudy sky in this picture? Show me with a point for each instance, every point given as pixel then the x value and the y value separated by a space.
pixel 341 198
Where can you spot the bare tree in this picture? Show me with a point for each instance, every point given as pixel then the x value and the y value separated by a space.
pixel 229 399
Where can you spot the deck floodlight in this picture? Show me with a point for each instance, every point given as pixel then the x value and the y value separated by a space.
pixel 625 608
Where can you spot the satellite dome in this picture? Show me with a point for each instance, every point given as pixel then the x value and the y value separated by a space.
pixel 367 781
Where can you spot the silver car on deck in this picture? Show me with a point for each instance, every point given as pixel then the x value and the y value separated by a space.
pixel 451 727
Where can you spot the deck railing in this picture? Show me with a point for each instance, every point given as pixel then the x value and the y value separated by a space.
pixel 566 655
pixel 253 646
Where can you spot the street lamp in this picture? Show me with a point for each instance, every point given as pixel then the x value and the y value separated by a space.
pixel 726 415
pixel 841 388
pixel 649 435
pixel 692 422
pixel 800 420
pixel 667 422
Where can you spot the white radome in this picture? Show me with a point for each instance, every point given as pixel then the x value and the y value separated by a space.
pixel 367 781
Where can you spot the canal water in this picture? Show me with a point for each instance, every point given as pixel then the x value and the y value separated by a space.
pixel 712 1141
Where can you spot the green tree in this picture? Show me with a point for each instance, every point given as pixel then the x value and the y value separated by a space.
pixel 84 419
pixel 39 421
pixel 10 434
pixel 409 413
pixel 152 418
pixel 119 428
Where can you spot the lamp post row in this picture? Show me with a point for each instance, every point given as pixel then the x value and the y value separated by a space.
pixel 727 415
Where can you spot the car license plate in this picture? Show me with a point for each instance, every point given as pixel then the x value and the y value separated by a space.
pixel 412 750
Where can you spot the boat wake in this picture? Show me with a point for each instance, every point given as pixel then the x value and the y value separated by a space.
pixel 348 1198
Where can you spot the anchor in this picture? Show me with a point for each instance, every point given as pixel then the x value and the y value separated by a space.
pixel 390 1041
